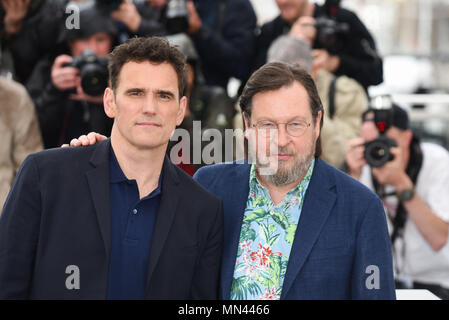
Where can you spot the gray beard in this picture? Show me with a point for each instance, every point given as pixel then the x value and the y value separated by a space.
pixel 285 176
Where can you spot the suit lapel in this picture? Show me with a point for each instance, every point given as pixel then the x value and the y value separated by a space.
pixel 98 181
pixel 318 203
pixel 165 216
pixel 236 188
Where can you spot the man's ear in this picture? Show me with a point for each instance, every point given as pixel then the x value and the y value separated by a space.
pixel 109 103
pixel 246 124
pixel 181 110
pixel 317 123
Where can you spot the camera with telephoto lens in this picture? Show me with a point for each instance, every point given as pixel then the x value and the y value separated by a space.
pixel 377 152
pixel 177 16
pixel 330 32
pixel 108 5
pixel 93 72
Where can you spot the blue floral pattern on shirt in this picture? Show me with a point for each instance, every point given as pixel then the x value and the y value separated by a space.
pixel 266 240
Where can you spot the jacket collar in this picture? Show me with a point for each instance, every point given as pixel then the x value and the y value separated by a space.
pixel 98 181
pixel 168 207
pixel 234 203
pixel 318 203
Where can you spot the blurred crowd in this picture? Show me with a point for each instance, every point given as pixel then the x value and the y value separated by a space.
pixel 53 72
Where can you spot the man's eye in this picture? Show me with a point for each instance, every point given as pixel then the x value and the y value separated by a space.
pixel 135 93
pixel 296 125
pixel 165 96
pixel 268 125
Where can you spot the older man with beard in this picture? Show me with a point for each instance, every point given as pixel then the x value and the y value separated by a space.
pixel 295 227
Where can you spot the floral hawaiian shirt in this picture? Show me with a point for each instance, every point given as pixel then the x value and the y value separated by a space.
pixel 266 240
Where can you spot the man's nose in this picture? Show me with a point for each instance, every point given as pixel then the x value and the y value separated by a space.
pixel 283 136
pixel 149 105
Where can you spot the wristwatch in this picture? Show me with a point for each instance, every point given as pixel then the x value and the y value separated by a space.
pixel 406 195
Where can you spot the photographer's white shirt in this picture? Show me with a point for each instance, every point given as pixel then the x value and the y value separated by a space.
pixel 414 258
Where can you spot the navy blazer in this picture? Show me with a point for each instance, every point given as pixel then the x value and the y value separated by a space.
pixel 58 215
pixel 341 248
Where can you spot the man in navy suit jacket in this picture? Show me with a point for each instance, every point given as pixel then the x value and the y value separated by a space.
pixel 116 220
pixel 304 230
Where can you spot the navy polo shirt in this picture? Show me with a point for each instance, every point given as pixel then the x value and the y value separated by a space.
pixel 132 225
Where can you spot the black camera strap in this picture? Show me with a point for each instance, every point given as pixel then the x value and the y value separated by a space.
pixel 412 171
pixel 331 96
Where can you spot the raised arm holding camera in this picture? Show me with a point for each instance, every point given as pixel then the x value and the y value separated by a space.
pixel 27 30
pixel 68 91
pixel 223 34
pixel 342 44
pixel 15 12
pixel 413 183
pixel 141 18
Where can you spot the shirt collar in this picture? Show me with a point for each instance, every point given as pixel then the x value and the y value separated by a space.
pixel 116 174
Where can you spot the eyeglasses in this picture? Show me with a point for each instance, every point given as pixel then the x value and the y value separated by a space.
pixel 294 128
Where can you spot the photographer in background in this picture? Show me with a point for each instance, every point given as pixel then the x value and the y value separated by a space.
pixel 65 108
pixel 223 34
pixel 143 18
pixel 342 43
pixel 45 21
pixel 412 179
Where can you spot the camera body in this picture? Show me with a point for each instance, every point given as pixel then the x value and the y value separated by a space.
pixel 377 152
pixel 93 71
pixel 330 32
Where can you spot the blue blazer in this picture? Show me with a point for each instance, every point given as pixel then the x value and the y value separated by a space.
pixel 58 214
pixel 341 248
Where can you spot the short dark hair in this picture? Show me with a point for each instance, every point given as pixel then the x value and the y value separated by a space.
pixel 152 49
pixel 275 75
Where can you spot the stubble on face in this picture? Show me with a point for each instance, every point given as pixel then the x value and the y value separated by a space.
pixel 146 110
pixel 285 172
